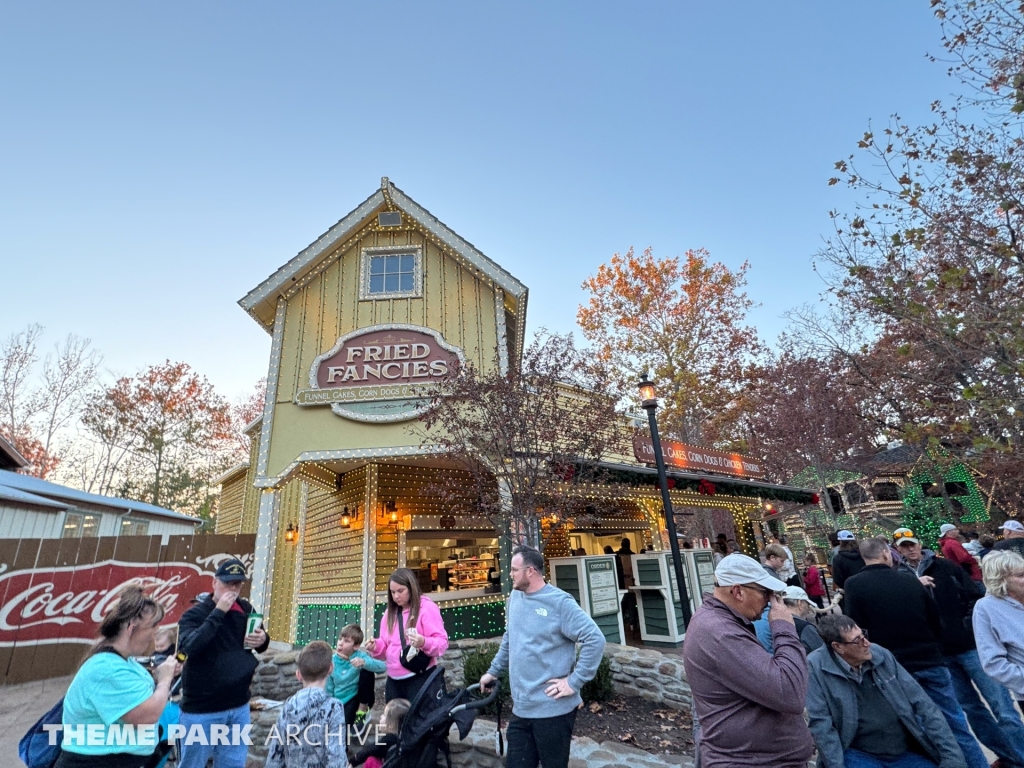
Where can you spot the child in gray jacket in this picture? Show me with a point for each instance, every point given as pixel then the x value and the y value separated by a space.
pixel 310 731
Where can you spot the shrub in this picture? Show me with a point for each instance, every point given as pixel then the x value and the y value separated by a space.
pixel 475 664
pixel 600 688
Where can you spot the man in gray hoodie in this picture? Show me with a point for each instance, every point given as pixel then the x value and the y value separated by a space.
pixel 543 626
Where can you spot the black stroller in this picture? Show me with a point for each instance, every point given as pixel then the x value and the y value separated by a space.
pixel 424 733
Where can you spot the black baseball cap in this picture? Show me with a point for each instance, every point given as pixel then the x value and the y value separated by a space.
pixel 231 570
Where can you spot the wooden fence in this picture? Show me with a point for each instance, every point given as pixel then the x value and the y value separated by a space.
pixel 55 592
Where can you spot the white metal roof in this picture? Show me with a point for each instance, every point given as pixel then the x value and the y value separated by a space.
pixel 44 490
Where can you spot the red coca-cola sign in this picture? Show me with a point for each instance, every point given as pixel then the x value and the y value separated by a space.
pixel 66 605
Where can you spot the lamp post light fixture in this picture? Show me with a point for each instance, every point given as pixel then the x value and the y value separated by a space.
pixel 649 402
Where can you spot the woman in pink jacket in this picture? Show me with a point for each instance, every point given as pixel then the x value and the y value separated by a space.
pixel 411 637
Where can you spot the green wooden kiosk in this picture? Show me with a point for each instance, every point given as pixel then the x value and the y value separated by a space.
pixel 592 581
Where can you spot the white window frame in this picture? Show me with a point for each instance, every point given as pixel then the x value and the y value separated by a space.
pixel 80 520
pixel 368 254
pixel 134 521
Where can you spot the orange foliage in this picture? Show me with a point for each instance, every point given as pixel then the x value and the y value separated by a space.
pixel 682 320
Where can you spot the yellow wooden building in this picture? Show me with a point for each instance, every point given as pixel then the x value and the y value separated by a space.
pixel 379 307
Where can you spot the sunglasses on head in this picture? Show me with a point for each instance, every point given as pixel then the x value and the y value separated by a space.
pixel 904 535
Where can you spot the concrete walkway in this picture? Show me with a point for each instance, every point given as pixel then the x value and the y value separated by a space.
pixel 20 706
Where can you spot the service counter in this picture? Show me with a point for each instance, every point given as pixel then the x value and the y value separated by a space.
pixel 657 592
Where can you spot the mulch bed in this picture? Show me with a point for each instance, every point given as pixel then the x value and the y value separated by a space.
pixel 638 723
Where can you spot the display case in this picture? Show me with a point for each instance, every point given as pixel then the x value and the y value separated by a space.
pixel 470 573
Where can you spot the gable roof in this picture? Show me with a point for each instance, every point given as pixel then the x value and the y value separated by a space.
pixel 9 456
pixel 46 492
pixel 261 301
pixel 20 497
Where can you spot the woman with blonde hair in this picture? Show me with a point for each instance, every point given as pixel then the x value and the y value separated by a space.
pixel 999 620
pixel 110 689
pixel 411 638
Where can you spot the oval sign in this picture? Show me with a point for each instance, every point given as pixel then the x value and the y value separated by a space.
pixel 383 373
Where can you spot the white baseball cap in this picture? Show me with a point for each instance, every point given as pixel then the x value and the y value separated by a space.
pixel 1011 525
pixel 795 593
pixel 901 535
pixel 845 536
pixel 741 569
pixel 945 529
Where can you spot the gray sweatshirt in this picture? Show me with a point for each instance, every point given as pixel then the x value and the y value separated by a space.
pixel 317 736
pixel 541 632
pixel 999 632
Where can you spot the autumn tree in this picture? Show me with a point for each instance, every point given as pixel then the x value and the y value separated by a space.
pixel 682 320
pixel 800 415
pixel 525 438
pixel 244 411
pixel 38 405
pixel 931 262
pixel 165 433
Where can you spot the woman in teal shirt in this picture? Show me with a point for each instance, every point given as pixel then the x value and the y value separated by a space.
pixel 111 691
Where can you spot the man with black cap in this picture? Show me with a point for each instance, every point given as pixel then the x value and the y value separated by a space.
pixel 219 668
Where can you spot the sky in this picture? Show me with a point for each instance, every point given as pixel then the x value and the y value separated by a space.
pixel 159 160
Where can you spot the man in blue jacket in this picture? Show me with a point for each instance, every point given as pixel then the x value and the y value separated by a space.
pixel 866 711
pixel 543 626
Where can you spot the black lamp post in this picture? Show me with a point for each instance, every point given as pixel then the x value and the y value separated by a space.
pixel 649 401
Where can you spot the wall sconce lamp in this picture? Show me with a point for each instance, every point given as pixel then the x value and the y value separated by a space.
pixel 347 519
pixel 291 533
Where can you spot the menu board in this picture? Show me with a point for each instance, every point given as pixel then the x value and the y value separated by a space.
pixel 704 562
pixel 603 587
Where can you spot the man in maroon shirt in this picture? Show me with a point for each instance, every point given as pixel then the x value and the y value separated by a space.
pixel 749 703
pixel 952 549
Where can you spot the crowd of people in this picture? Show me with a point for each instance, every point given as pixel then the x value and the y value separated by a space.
pixel 917 661
pixel 550 649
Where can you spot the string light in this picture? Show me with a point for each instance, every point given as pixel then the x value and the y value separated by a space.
pixel 478 618
pixel 356 560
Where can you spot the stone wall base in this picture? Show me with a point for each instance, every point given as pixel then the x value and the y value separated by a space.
pixel 643 672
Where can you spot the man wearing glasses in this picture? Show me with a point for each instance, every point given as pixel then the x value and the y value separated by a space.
pixel 543 626
pixel 749 702
pixel 867 711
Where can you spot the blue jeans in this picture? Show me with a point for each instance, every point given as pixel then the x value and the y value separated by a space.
pixel 196 755
pixel 854 759
pixel 1001 730
pixel 938 684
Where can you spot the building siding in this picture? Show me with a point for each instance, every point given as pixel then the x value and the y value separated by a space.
pixel 455 302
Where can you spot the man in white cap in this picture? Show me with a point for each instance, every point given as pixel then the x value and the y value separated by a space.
pixel 1013 537
pixel 749 702
pixel 800 605
pixel 847 561
pixel 953 550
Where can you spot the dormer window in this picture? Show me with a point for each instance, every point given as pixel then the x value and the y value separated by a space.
pixel 391 273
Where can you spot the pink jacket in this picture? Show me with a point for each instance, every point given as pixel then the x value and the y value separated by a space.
pixel 429 624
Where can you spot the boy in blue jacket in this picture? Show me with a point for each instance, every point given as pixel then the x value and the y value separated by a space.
pixel 352 680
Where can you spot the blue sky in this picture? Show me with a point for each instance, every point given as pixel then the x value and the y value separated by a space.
pixel 159 160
